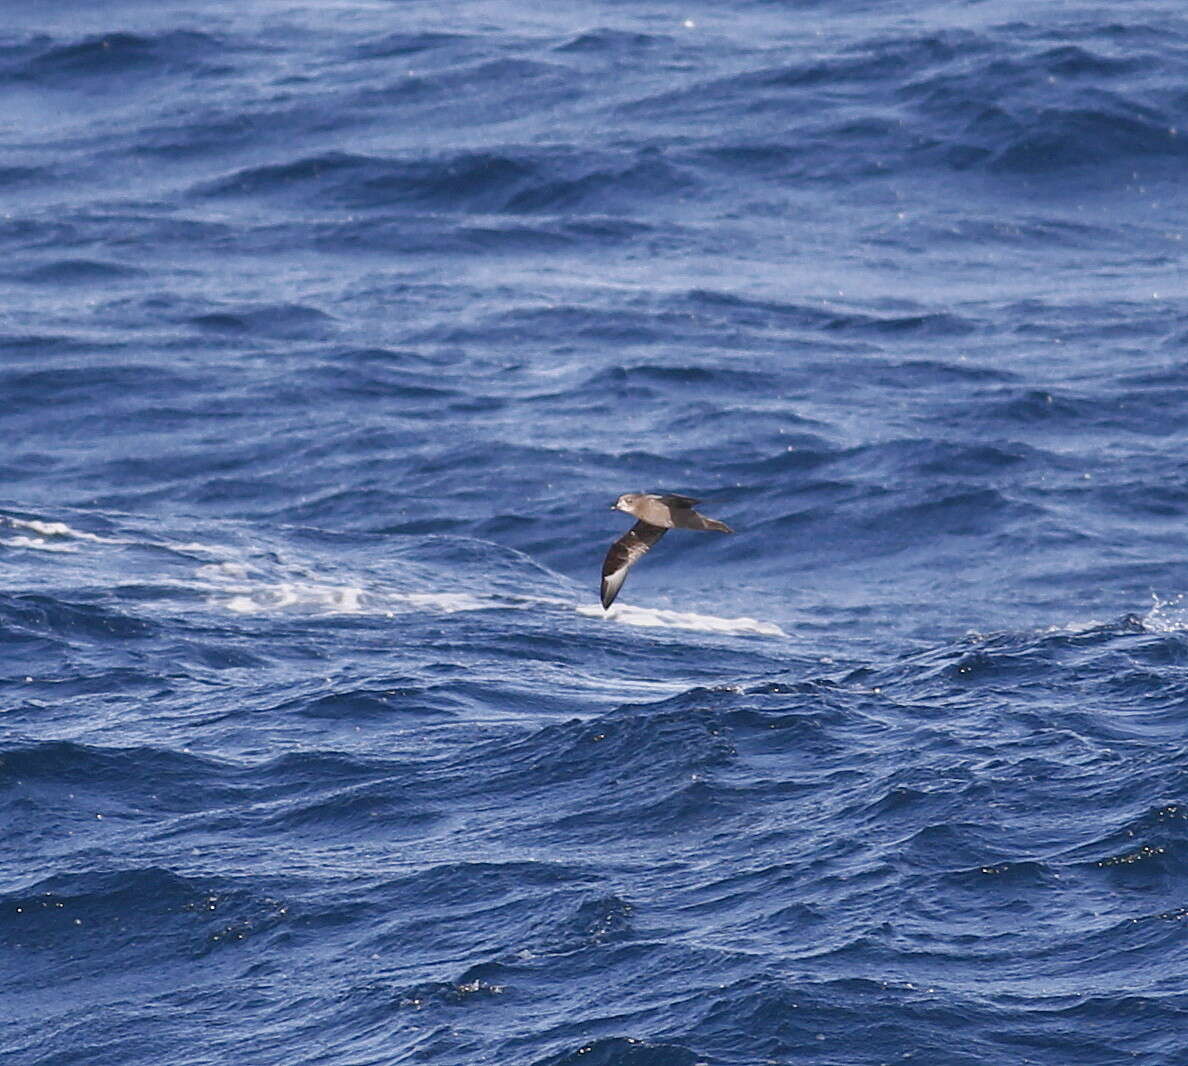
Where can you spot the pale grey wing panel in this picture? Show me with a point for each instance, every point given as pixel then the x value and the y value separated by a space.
pixel 623 553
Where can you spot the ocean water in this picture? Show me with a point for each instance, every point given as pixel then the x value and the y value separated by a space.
pixel 329 332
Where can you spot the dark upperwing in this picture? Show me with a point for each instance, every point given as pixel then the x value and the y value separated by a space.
pixel 622 554
pixel 680 501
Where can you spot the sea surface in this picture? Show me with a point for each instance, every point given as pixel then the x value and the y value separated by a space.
pixel 328 334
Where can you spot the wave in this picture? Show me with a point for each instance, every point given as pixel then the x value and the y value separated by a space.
pixel 622 1051
pixel 987 99
pixel 288 321
pixel 658 753
pixel 657 618
pixel 53 531
pixel 134 918
pixel 77 272
pixel 114 57
pixel 406 43
pixel 52 616
pixel 522 182
pixel 438 994
pixel 235 587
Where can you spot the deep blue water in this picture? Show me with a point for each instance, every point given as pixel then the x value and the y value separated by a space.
pixel 329 332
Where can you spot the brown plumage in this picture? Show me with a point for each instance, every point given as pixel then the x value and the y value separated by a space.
pixel 657 515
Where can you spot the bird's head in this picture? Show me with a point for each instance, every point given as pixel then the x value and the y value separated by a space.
pixel 625 502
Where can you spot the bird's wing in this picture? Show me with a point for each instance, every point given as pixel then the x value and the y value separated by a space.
pixel 687 518
pixel 625 551
pixel 679 501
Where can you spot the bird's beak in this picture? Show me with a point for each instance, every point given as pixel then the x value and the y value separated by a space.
pixel 614 507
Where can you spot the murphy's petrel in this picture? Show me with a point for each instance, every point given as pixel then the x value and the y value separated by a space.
pixel 657 515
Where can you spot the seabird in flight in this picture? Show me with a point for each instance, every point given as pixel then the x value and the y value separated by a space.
pixel 657 515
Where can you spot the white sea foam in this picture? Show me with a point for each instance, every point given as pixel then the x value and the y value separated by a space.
pixel 60 537
pixel 449 602
pixel 1167 616
pixel 37 544
pixel 237 587
pixel 223 571
pixel 262 597
pixel 284 595
pixel 56 529
pixel 193 546
pixel 655 618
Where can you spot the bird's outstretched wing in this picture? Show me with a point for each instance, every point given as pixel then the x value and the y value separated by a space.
pixel 625 551
pixel 687 518
pixel 679 501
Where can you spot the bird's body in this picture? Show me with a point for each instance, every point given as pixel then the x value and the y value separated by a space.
pixel 657 514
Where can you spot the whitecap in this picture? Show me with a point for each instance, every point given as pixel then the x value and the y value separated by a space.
pixel 56 529
pixel 194 546
pixel 656 618
pixel 37 544
pixel 223 571
pixel 262 597
pixel 1166 616
pixel 448 602
pixel 236 587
